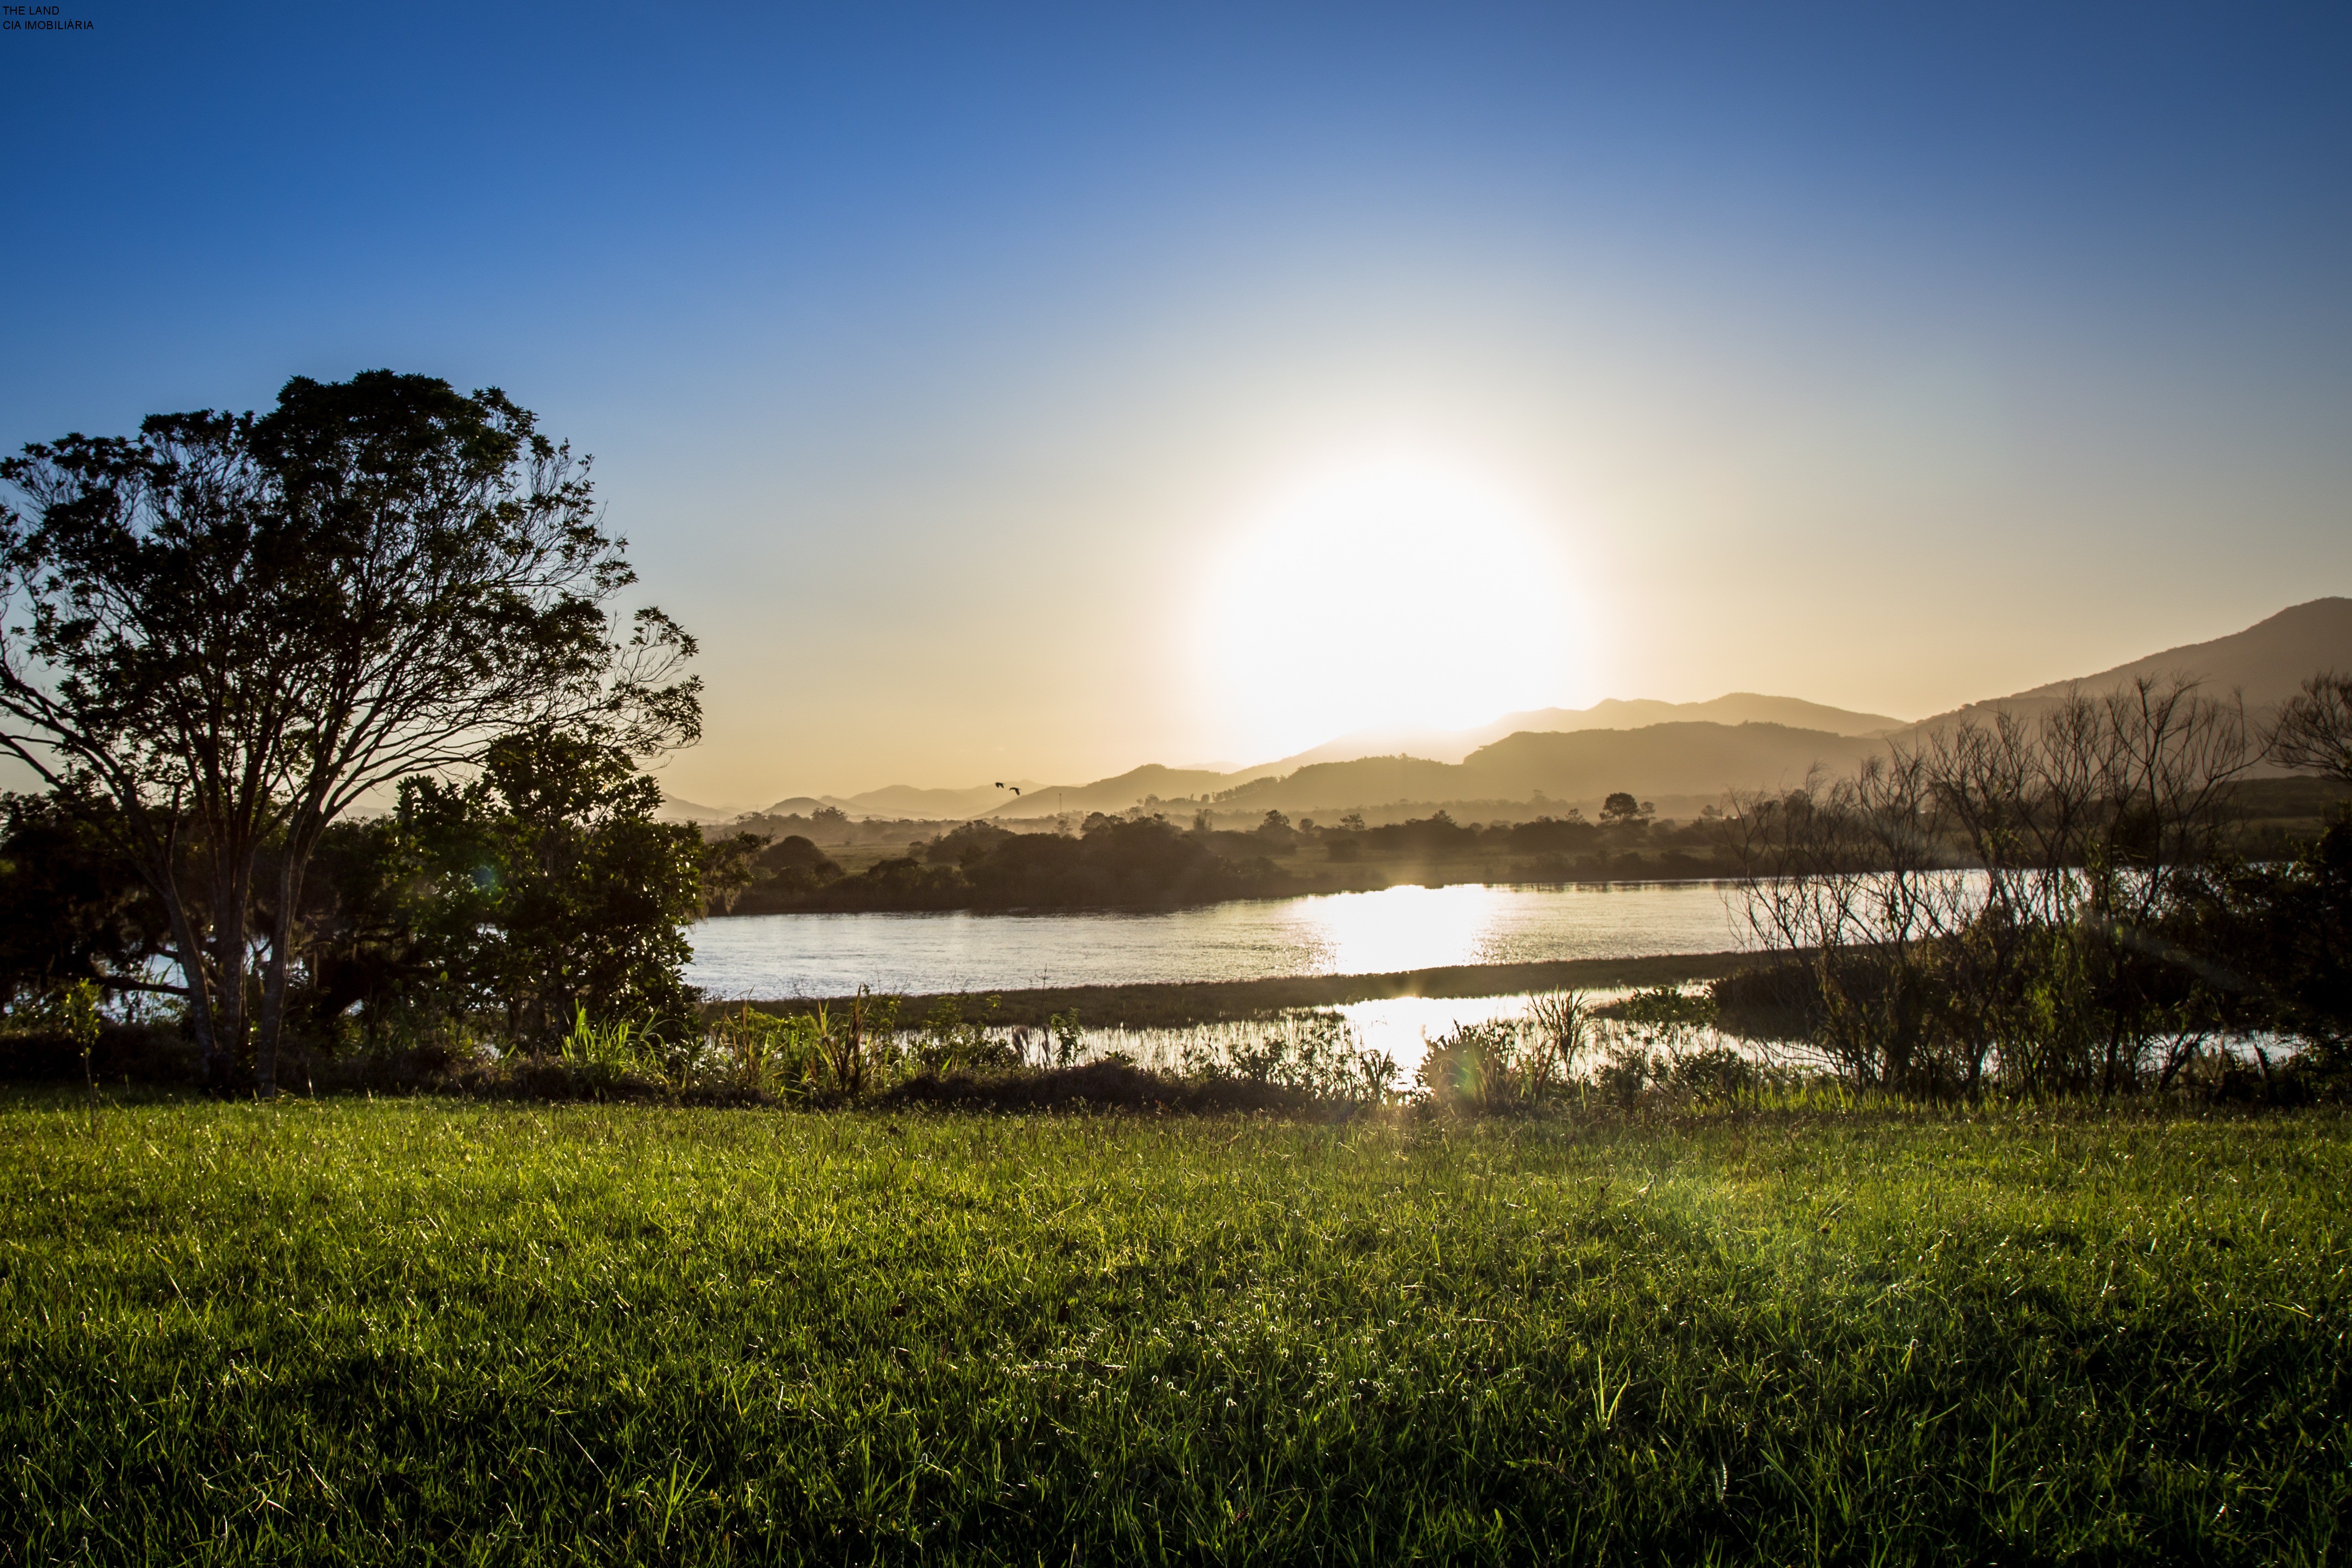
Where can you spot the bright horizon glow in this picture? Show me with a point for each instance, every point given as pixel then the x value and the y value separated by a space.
pixel 1400 591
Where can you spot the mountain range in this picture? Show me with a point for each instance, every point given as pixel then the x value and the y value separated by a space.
pixel 1559 757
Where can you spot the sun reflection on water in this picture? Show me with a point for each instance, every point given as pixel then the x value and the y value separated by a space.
pixel 1397 929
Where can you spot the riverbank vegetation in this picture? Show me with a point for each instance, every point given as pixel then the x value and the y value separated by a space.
pixel 354 1331
pixel 2056 907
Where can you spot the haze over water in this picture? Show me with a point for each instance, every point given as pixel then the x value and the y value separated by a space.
pixel 1397 929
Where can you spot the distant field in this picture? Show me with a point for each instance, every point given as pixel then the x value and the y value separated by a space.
pixel 421 1331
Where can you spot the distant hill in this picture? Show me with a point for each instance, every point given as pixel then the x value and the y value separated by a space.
pixel 1682 759
pixel 1685 759
pixel 1366 782
pixel 674 810
pixel 2266 662
pixel 936 805
pixel 1455 745
pixel 798 806
pixel 1129 789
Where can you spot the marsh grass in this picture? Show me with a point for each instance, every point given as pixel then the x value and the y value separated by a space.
pixel 1181 1005
pixel 427 1330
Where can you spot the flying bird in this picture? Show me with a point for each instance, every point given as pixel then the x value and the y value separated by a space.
pixel 1014 788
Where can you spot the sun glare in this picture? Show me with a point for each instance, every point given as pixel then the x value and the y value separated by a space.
pixel 1398 593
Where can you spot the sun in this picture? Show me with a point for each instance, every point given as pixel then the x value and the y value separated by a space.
pixel 1398 592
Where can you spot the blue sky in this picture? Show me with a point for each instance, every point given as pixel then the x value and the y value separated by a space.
pixel 946 365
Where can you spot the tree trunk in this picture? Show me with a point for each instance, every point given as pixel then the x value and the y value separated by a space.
pixel 281 952
pixel 232 896
pixel 157 855
pixel 192 969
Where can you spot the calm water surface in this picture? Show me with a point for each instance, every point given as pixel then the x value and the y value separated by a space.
pixel 779 956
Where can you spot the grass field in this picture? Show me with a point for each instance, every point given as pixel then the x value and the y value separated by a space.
pixel 425 1331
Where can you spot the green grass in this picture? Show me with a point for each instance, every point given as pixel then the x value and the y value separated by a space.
pixel 425 1330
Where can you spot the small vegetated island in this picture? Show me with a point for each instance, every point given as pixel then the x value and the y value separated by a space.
pixel 1993 1213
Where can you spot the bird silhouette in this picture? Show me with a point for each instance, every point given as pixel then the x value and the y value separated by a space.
pixel 1014 788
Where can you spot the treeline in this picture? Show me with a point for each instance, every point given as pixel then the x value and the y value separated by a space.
pixel 497 909
pixel 1626 842
pixel 1112 862
pixel 832 825
pixel 1143 860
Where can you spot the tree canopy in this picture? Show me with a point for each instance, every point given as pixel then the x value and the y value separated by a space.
pixel 235 627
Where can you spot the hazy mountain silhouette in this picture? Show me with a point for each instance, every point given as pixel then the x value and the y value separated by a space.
pixel 804 805
pixel 1688 758
pixel 905 800
pixel 2266 662
pixel 1615 713
pixel 676 809
pixel 1129 789
pixel 1574 756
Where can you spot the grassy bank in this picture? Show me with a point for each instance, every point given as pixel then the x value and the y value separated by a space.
pixel 430 1331
pixel 1179 1005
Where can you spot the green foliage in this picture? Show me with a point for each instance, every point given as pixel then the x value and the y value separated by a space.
pixel 367 969
pixel 861 1051
pixel 949 1042
pixel 2278 941
pixel 72 906
pixel 1474 1067
pixel 729 864
pixel 768 1056
pixel 1437 834
pixel 1560 1023
pixel 68 1012
pixel 617 1049
pixel 1509 1063
pixel 553 887
pixel 1316 1056
pixel 1116 862
pixel 1062 1030
pixel 821 1056
pixel 1667 1018
pixel 411 1332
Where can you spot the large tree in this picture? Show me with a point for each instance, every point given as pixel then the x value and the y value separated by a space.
pixel 238 627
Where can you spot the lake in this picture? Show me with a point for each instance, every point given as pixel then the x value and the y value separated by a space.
pixel 768 956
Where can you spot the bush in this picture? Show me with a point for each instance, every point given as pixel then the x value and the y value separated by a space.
pixel 951 1043
pixel 1316 1057
pixel 1111 1084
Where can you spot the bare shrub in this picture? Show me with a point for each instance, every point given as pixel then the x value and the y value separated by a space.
pixel 1996 897
pixel 2313 732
